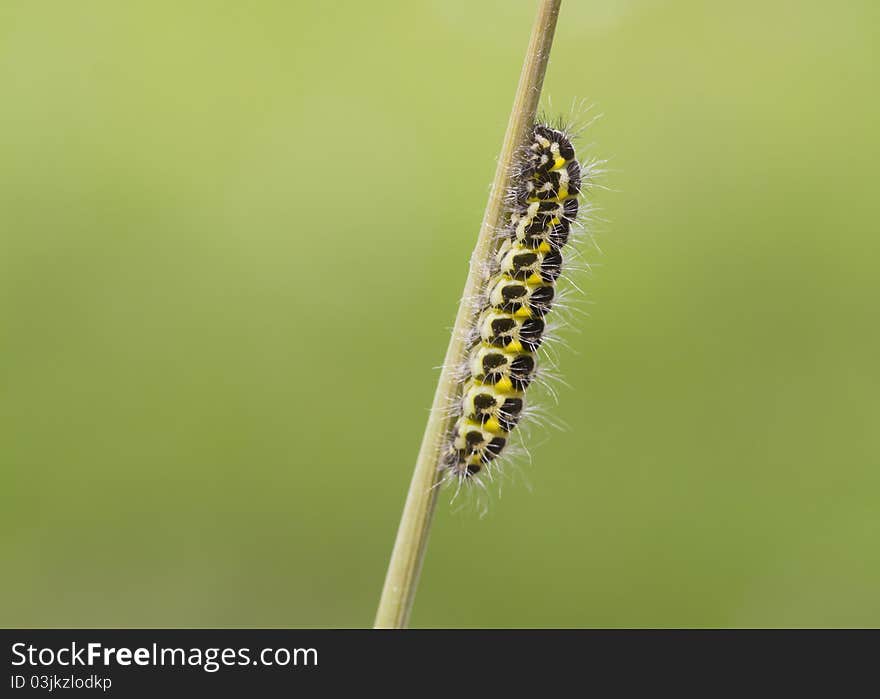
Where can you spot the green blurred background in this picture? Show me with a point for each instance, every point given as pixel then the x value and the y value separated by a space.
pixel 232 239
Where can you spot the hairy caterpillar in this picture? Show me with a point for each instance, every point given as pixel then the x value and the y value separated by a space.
pixel 520 290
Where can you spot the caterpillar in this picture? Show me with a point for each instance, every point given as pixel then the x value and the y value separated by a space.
pixel 520 290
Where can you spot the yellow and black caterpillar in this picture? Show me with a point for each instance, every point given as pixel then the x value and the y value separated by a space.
pixel 520 291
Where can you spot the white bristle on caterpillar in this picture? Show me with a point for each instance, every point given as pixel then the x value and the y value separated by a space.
pixel 510 325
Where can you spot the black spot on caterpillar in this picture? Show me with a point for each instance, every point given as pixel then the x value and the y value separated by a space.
pixel 520 291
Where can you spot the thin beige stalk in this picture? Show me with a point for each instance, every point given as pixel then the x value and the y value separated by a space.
pixel 418 511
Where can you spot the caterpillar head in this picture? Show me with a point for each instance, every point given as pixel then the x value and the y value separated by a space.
pixel 549 150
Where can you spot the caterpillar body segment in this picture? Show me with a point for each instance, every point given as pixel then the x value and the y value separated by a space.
pixel 532 266
pixel 502 330
pixel 475 446
pixel 521 299
pixel 506 370
pixel 497 410
pixel 510 325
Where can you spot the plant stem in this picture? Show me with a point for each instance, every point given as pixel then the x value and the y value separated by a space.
pixel 418 511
